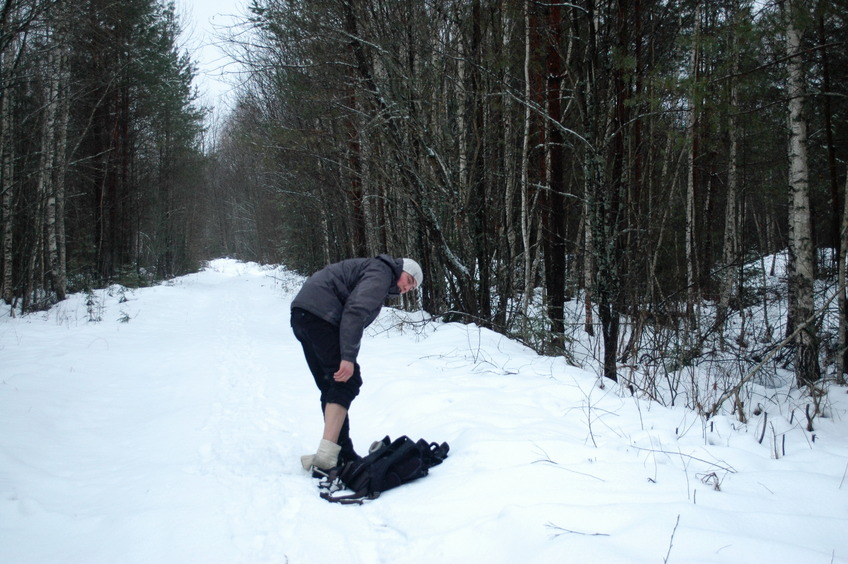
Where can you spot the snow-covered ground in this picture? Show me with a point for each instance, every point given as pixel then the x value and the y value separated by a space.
pixel 170 431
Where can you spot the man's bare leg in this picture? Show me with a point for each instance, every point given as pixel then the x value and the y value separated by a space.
pixel 334 418
pixel 328 450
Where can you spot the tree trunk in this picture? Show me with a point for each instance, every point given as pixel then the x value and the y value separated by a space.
pixel 6 180
pixel 508 241
pixel 354 157
pixel 478 182
pixel 52 151
pixel 692 142
pixel 601 192
pixel 801 277
pixel 46 207
pixel 731 215
pixel 530 46
pixel 60 266
pixel 554 207
pixel 842 361
pixel 827 110
pixel 588 271
pixel 533 162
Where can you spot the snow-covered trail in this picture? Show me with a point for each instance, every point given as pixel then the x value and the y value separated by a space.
pixel 136 437
pixel 176 438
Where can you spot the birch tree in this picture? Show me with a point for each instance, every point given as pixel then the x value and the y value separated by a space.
pixel 6 172
pixel 729 278
pixel 692 141
pixel 801 241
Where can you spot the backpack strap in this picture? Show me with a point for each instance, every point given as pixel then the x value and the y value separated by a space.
pixel 357 498
pixel 434 453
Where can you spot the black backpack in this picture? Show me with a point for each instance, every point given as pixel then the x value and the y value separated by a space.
pixel 388 465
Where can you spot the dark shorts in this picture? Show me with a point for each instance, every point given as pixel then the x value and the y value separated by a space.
pixel 320 341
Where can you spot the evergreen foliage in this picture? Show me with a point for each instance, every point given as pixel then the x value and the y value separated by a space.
pixel 101 145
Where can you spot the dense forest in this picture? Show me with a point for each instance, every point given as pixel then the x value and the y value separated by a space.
pixel 625 168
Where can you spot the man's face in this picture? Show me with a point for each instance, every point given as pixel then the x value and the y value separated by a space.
pixel 406 282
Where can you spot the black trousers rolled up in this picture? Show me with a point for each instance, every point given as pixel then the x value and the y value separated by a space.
pixel 320 342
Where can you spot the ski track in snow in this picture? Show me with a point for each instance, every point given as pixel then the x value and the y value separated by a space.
pixel 176 437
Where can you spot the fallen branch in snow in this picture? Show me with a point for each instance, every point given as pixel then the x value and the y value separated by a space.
pixel 678 453
pixel 558 465
pixel 563 531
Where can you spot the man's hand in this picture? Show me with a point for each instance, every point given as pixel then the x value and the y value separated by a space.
pixel 345 371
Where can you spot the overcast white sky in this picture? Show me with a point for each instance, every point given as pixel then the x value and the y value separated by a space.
pixel 203 21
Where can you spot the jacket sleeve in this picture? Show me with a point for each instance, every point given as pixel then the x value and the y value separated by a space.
pixel 362 307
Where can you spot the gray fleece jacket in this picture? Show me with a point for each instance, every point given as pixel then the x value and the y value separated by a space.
pixel 349 294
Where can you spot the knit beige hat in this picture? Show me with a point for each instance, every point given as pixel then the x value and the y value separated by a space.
pixel 412 267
